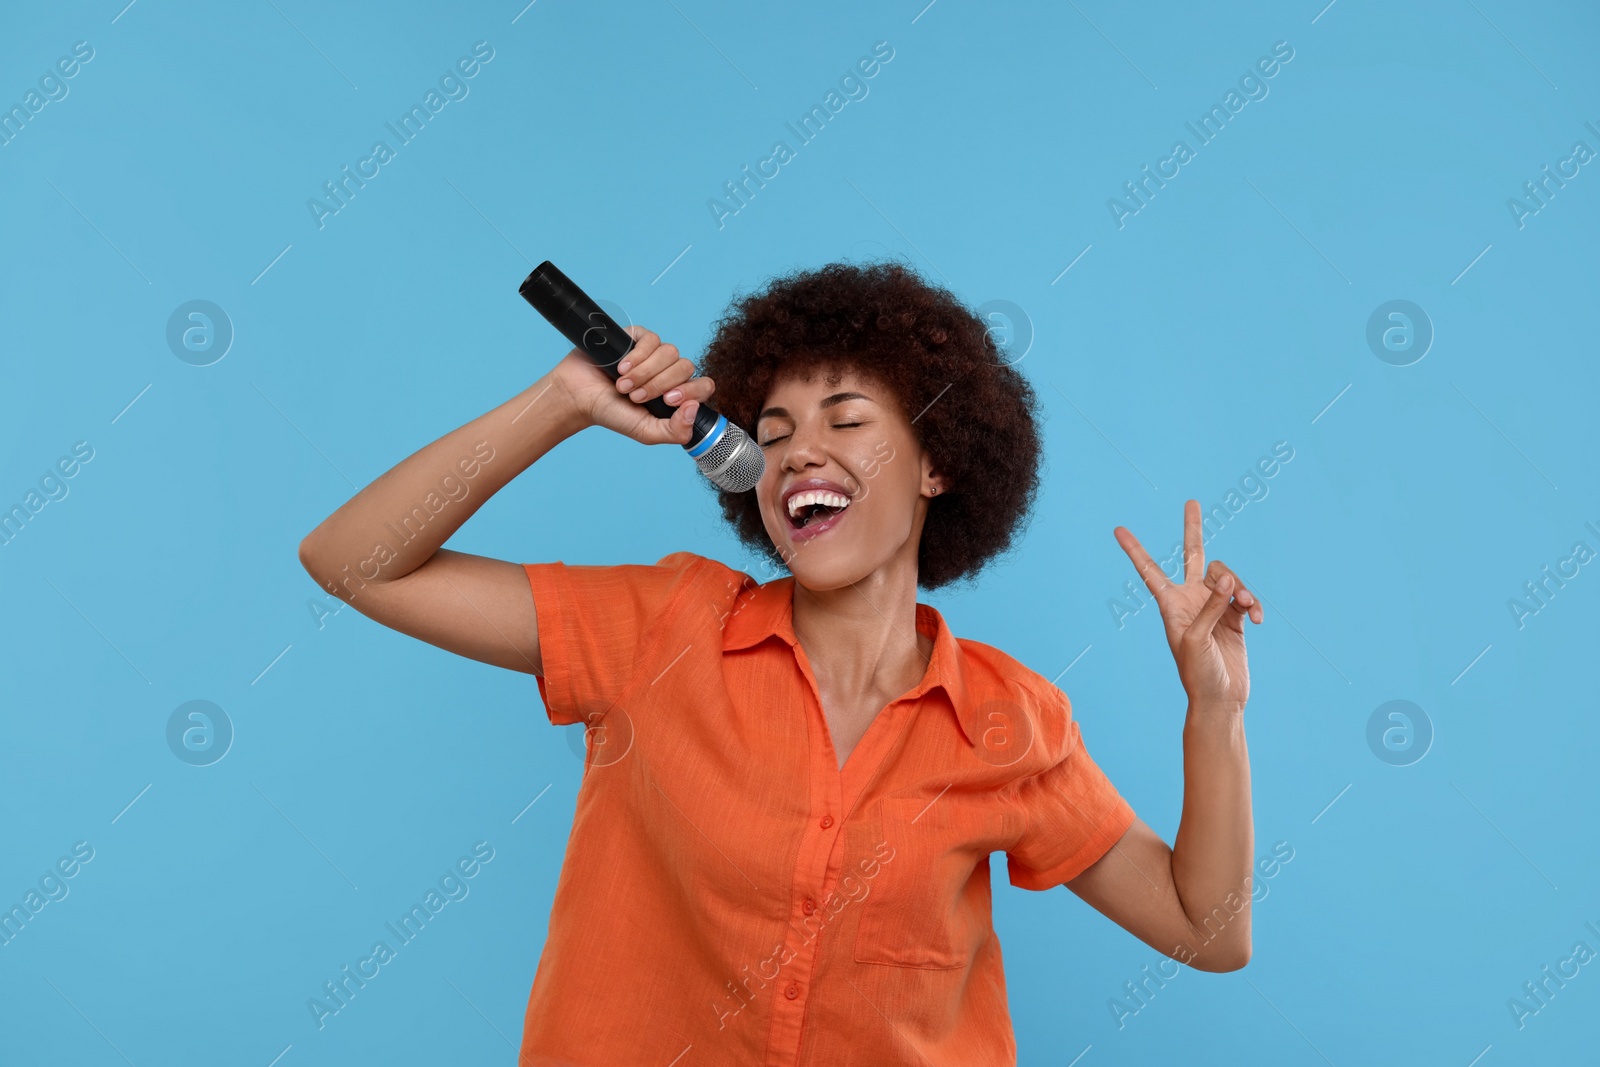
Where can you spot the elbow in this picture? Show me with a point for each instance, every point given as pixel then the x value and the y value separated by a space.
pixel 1222 960
pixel 309 558
pixel 1237 961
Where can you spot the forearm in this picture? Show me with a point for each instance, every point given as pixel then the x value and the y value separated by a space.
pixel 414 508
pixel 1212 854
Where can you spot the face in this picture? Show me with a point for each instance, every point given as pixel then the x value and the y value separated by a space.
pixel 847 433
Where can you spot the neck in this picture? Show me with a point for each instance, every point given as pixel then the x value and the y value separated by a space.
pixel 861 639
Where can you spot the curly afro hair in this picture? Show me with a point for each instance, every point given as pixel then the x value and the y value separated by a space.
pixel 974 412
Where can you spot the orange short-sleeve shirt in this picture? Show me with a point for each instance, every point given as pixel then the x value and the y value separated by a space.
pixel 730 895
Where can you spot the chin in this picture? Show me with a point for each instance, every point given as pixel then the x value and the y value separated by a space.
pixel 823 576
pixel 825 568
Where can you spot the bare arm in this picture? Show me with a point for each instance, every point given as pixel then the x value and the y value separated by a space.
pixel 381 550
pixel 1191 902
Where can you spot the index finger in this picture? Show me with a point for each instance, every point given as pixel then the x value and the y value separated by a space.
pixel 1155 579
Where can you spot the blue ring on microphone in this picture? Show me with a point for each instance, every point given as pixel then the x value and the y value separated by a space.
pixel 709 439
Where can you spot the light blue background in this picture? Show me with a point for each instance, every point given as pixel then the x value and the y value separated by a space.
pixel 1224 317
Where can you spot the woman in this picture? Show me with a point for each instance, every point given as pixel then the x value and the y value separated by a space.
pixel 780 850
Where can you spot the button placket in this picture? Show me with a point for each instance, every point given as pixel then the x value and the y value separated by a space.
pixel 812 882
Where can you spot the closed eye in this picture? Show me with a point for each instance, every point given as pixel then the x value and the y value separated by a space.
pixel 836 426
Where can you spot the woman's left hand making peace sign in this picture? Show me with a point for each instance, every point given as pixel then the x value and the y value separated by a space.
pixel 1204 616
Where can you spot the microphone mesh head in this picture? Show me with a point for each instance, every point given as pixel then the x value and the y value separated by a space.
pixel 734 462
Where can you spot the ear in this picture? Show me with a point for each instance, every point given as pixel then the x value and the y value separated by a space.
pixel 933 483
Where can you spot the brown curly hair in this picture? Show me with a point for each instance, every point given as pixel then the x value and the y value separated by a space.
pixel 969 407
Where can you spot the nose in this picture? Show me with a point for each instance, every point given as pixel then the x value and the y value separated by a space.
pixel 802 450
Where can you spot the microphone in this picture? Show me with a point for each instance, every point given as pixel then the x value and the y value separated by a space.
pixel 723 452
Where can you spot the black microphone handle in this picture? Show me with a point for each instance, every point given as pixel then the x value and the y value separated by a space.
pixel 597 335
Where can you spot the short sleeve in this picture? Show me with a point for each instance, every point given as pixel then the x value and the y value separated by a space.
pixel 594 623
pixel 1071 815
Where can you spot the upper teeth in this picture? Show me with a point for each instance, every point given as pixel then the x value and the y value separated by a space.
pixel 816 496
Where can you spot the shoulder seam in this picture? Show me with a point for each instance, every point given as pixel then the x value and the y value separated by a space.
pixel 658 633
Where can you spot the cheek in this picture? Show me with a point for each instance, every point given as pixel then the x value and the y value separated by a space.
pixel 895 487
pixel 764 490
pixel 885 506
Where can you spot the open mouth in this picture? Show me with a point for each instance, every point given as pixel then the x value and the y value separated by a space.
pixel 812 513
pixel 818 513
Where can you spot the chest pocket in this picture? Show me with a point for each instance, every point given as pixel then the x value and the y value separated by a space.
pixel 929 905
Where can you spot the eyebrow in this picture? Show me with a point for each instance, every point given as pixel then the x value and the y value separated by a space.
pixel 836 398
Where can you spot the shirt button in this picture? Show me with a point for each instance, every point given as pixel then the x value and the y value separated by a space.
pixel 809 906
pixel 827 821
pixel 793 990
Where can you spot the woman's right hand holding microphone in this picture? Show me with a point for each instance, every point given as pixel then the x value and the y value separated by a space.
pixel 650 369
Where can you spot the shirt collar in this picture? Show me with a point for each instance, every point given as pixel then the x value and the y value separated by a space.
pixel 762 611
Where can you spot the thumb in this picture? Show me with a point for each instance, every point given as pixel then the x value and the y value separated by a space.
pixel 682 421
pixel 1221 594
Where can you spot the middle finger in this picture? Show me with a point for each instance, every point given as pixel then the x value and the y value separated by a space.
pixel 643 364
pixel 698 388
pixel 675 373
